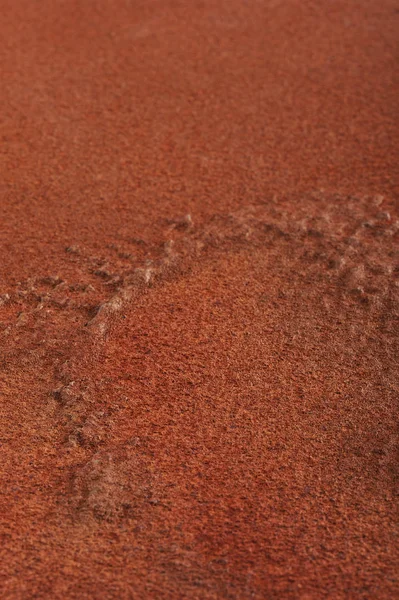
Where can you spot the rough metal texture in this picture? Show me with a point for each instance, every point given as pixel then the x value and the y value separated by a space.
pixel 199 299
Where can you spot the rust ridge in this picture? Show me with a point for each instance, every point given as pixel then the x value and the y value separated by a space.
pixel 305 264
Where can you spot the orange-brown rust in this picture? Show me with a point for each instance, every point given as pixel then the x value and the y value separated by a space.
pixel 199 299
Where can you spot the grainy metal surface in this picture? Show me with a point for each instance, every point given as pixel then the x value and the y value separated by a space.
pixel 199 299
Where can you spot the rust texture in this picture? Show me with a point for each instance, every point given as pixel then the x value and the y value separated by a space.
pixel 199 299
